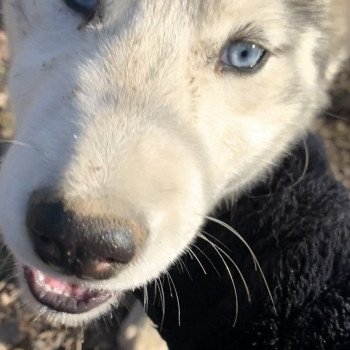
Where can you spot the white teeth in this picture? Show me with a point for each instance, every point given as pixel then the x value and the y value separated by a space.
pixel 47 288
pixel 44 287
pixel 40 276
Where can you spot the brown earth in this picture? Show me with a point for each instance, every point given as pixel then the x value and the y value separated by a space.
pixel 20 330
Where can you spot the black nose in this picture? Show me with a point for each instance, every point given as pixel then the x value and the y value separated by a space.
pixel 89 247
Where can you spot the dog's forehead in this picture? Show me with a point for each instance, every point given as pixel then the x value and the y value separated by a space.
pixel 214 14
pixel 176 16
pixel 206 9
pixel 182 10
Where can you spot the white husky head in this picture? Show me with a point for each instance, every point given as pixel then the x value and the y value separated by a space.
pixel 136 118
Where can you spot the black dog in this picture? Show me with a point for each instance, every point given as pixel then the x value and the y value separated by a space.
pixel 298 224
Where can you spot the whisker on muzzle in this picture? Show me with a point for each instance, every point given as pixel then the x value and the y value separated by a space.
pixel 255 260
pixel 219 252
pixel 16 143
pixel 172 286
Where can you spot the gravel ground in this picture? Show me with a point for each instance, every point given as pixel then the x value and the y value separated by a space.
pixel 20 329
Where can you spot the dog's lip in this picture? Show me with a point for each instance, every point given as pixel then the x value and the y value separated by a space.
pixel 62 296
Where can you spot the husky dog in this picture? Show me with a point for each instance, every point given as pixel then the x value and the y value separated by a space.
pixel 135 119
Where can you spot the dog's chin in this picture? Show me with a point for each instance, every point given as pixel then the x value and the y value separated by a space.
pixel 63 302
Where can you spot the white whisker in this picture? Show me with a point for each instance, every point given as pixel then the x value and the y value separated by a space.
pixel 232 281
pixel 176 296
pixel 234 264
pixel 185 267
pixel 17 143
pixel 335 116
pixel 197 259
pixel 145 297
pixel 217 240
pixel 207 257
pixel 162 298
pixel 255 260
pixel 307 163
pixel 155 291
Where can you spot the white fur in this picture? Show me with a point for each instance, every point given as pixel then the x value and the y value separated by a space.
pixel 131 118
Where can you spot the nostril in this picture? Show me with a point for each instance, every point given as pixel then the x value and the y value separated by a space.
pixel 111 243
pixel 44 224
pixel 44 239
pixel 107 260
pixel 106 249
pixel 103 267
pixel 44 215
pixel 48 251
pixel 96 269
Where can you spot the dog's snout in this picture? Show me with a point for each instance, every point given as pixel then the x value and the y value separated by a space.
pixel 88 247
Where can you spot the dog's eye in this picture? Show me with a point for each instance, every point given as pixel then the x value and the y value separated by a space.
pixel 243 55
pixel 85 7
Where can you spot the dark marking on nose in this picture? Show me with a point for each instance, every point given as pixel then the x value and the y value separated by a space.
pixel 88 247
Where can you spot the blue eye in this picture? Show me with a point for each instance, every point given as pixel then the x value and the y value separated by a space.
pixel 85 7
pixel 244 55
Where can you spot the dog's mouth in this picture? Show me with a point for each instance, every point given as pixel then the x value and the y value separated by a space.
pixel 62 296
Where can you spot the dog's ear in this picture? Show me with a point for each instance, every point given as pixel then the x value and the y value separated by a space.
pixel 339 31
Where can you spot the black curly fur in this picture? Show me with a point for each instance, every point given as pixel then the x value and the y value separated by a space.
pixel 299 230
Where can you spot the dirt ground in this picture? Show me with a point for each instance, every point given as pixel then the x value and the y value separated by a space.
pixel 20 329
